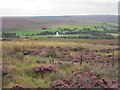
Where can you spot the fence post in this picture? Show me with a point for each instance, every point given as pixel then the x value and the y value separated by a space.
pixel 50 59
pixel 53 60
pixel 113 59
pixel 81 60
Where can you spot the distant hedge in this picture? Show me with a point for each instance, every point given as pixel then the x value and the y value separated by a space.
pixel 9 35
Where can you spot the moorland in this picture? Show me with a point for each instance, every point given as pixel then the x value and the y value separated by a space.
pixel 83 55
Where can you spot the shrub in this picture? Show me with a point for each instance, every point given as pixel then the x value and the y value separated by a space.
pixel 84 80
pixel 44 68
pixel 17 86
pixel 59 84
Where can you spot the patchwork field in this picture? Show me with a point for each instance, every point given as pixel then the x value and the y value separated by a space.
pixel 60 63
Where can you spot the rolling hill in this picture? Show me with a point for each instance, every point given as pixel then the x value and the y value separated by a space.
pixel 19 23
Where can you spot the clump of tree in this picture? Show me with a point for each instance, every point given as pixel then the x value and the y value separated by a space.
pixel 9 35
pixel 44 28
pixel 45 33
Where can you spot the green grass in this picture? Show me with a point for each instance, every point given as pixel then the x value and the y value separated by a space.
pixel 30 30
pixel 46 36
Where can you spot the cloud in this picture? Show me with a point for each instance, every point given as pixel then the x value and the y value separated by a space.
pixel 57 7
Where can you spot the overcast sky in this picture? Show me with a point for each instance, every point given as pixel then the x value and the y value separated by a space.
pixel 57 7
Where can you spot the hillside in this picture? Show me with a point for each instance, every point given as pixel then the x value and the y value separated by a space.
pixel 49 25
pixel 45 21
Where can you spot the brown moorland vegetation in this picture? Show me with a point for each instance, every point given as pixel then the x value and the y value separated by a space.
pixel 60 63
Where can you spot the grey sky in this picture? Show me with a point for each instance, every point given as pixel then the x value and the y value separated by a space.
pixel 57 7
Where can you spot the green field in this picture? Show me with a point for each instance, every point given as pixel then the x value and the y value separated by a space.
pixel 30 31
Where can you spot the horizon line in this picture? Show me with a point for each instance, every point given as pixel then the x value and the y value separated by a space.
pixel 58 15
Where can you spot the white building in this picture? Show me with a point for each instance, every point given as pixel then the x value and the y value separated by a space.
pixel 57 34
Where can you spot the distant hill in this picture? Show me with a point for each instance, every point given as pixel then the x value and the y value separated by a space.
pixel 99 18
pixel 21 23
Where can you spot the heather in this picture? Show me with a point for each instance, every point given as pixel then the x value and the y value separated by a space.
pixel 60 63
